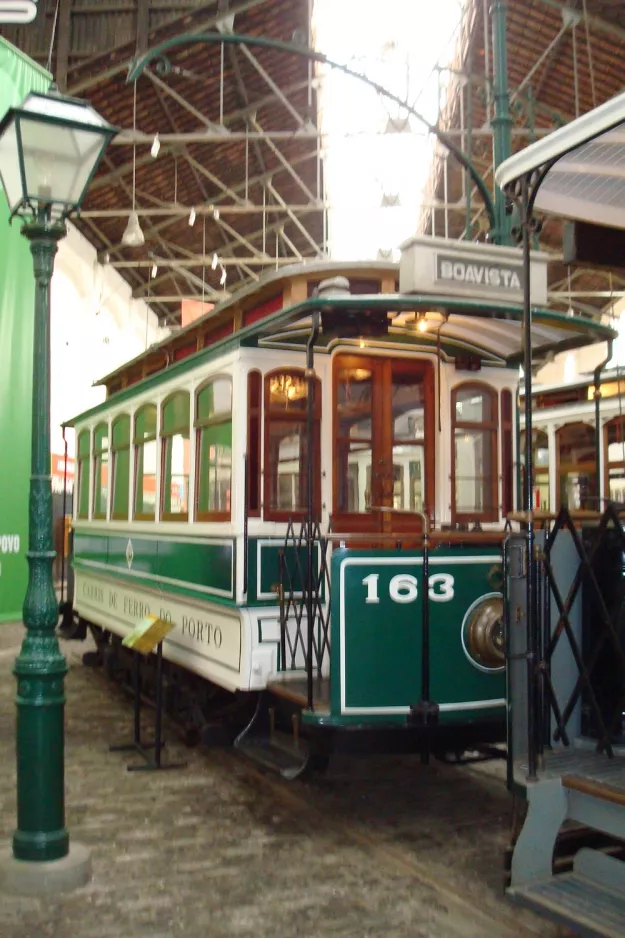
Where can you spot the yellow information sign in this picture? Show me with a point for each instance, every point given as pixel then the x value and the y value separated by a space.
pixel 147 634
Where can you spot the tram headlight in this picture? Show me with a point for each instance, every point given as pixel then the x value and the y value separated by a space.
pixel 483 636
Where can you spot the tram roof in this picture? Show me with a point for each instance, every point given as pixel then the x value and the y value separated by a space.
pixel 582 164
pixel 490 331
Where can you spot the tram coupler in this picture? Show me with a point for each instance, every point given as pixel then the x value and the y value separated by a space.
pixel 423 713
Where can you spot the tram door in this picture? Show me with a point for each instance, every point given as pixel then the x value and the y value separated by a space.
pixel 383 460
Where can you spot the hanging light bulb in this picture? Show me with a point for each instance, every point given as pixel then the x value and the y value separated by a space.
pixel 154 270
pixel 216 214
pixel 133 236
pixel 214 262
pixel 192 217
pixel 423 325
pixel 224 275
pixel 156 145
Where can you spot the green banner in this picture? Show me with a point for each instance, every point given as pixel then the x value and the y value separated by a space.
pixel 18 76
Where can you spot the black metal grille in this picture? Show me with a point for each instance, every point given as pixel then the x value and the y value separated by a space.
pixel 305 601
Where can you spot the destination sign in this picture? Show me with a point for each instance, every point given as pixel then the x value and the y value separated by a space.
pixel 18 11
pixel 496 276
pixel 474 270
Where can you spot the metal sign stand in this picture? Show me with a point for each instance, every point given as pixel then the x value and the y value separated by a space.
pixel 151 751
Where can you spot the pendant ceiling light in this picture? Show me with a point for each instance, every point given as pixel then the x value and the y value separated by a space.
pixel 133 236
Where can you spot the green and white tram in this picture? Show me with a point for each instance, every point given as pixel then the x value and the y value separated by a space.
pixel 283 477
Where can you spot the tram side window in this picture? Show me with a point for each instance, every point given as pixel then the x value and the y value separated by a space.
pixel 286 445
pixel 614 433
pixel 145 463
pixel 540 461
pixel 577 466
pixel 84 457
pixel 120 468
pixel 100 469
pixel 254 405
pixel 213 475
pixel 175 457
pixel 474 454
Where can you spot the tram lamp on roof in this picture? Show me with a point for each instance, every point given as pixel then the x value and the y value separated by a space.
pixel 50 147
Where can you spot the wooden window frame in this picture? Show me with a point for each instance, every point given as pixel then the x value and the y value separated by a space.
pixel 274 514
pixel 116 516
pixel 142 516
pixel 96 456
pixel 164 437
pixel 254 413
pixel 492 426
pixel 199 426
pixel 372 522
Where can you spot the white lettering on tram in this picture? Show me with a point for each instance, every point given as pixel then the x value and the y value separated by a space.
pixel 480 274
pixel 403 588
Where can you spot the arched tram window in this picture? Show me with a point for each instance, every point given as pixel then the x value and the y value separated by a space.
pixel 84 456
pixel 474 453
pixel 100 469
pixel 213 424
pixel 540 461
pixel 286 445
pixel 577 468
pixel 145 463
pixel 120 468
pixel 175 436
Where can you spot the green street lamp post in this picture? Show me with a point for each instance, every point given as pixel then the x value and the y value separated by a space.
pixel 50 147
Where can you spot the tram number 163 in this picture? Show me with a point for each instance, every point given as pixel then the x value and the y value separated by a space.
pixel 403 588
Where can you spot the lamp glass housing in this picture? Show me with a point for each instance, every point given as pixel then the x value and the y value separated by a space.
pixel 50 147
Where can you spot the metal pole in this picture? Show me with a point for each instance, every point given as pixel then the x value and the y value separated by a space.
pixel 310 492
pixel 502 121
pixel 529 473
pixel 40 667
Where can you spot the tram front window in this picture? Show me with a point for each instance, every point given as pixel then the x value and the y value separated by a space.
pixel 354 421
pixel 474 414
pixel 408 404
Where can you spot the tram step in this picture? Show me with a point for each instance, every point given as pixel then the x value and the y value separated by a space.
pixel 276 752
pixel 590 901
